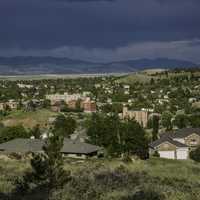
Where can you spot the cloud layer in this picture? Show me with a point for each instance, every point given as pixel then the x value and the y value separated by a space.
pixel 101 29
pixel 187 50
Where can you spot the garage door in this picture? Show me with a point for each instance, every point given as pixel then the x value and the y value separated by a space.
pixel 182 154
pixel 167 154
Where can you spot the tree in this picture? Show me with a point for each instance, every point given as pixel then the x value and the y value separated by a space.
pixel 166 120
pixel 36 132
pixel 133 139
pixel 96 129
pixel 46 103
pixel 9 133
pixel 116 136
pixel 195 154
pixel 46 169
pixel 64 126
pixel 181 121
pixel 154 124
pixel 30 106
pixel 195 120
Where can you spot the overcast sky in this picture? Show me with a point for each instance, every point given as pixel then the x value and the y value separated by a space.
pixel 101 30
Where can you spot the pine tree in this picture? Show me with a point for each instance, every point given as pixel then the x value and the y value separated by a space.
pixel 47 169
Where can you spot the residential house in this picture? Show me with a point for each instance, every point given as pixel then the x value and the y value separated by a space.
pixel 72 104
pixel 176 144
pixel 71 148
pixel 2 106
pixel 126 89
pixel 56 107
pixel 89 106
pixel 11 104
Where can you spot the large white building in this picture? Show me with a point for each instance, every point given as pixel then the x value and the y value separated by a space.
pixel 64 97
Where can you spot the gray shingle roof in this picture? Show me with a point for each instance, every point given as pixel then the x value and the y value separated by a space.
pixel 182 133
pixel 71 146
pixel 22 145
pixel 166 139
pixel 35 145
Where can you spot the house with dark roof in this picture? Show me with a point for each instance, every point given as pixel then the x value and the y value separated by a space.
pixel 70 148
pixel 176 144
pixel 77 149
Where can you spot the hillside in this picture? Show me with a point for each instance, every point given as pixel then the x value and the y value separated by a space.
pixel 146 75
pixel 28 119
pixel 52 65
pixel 154 179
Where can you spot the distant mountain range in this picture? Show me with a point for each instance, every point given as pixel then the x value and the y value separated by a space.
pixel 51 65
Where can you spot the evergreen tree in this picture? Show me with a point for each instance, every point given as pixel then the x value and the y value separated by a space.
pixel 155 126
pixel 134 140
pixel 64 126
pixel 47 169
pixel 166 120
pixel 181 121
pixel 10 133
pixel 116 136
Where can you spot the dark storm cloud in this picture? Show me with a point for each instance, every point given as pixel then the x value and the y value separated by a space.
pixel 82 0
pixel 96 24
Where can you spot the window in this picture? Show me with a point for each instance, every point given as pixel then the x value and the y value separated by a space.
pixel 193 142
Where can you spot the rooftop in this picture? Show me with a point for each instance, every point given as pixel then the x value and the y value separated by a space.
pixel 21 145
pixel 166 139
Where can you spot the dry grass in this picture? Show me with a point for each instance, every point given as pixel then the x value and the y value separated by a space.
pixel 177 180
pixel 28 119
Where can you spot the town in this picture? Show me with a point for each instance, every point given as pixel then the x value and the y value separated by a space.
pixel 148 115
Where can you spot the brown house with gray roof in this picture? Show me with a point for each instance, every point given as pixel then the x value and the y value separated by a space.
pixel 176 144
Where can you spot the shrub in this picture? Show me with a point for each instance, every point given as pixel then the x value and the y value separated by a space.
pixel 156 154
pixel 195 154
pixel 127 159
pixel 148 195
pixel 16 156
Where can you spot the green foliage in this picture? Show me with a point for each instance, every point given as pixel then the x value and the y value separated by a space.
pixel 9 133
pixel 118 137
pixel 194 120
pixel 36 132
pixel 156 154
pixel 112 179
pixel 181 121
pixel 64 126
pixel 153 123
pixel 112 108
pixel 46 103
pixel 30 107
pixel 166 120
pixel 195 154
pixel 46 169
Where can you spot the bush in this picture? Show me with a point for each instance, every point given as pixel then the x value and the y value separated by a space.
pixel 16 156
pixel 195 154
pixel 156 154
pixel 148 194
pixel 127 159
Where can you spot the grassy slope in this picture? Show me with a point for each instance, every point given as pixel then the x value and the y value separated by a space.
pixel 28 119
pixel 146 75
pixel 178 180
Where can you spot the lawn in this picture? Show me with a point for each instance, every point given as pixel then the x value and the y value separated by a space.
pixel 28 119
pixel 115 180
